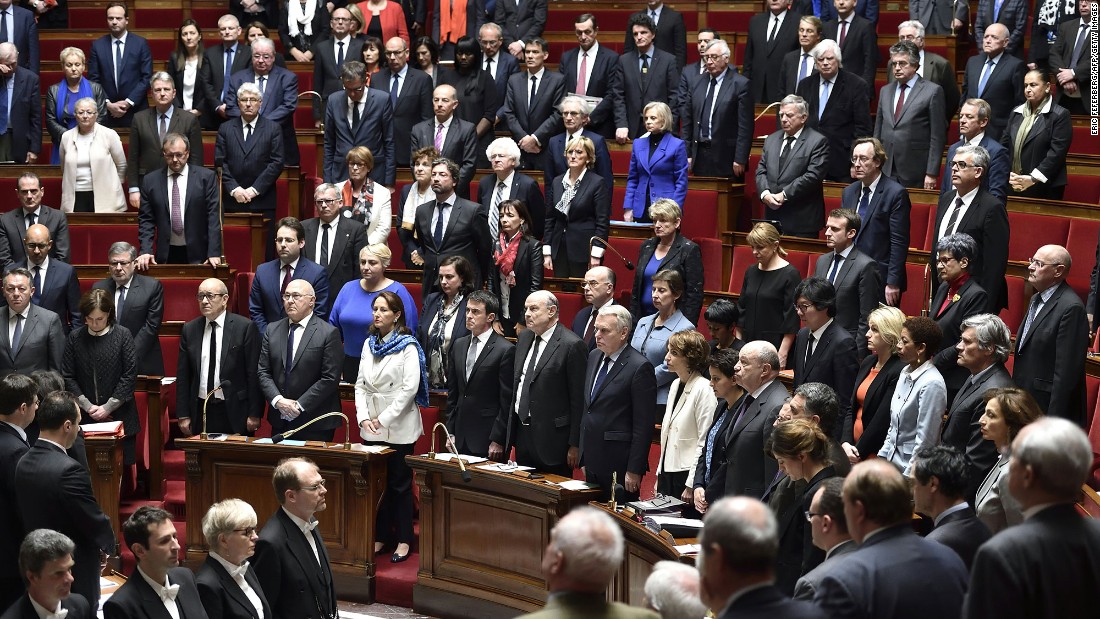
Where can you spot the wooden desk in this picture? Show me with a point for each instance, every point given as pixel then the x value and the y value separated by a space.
pixel 643 548
pixel 105 468
pixel 481 543
pixel 355 481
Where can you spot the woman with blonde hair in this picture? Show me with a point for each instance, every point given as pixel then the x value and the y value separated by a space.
pixel 230 530
pixel 578 208
pixel 767 293
pixel 61 98
pixel 868 417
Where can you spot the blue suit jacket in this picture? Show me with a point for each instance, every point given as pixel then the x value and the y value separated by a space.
pixel 279 102
pixel 665 173
pixel 256 163
pixel 995 180
pixel 375 132
pixel 885 232
pixel 506 67
pixel 555 159
pixel 265 301
pixel 25 37
pixel 133 78
pixel 867 9
pixel 60 292
pixel 25 114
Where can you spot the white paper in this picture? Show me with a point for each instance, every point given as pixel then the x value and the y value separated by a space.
pixel 576 484
pixel 677 521
pixel 373 449
pixel 106 426
pixel 447 457
pixel 167 380
pixel 500 467
pixel 688 549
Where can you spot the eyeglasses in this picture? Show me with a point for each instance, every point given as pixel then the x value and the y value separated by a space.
pixel 38 246
pixel 944 260
pixel 317 486
pixel 712 57
pixel 900 63
pixel 209 296
pixel 248 100
pixel 295 296
pixel 593 284
pixel 810 515
pixel 391 54
pixel 340 20
pixel 961 165
pixel 803 307
pixel 247 531
pixel 1038 264
pixel 120 263
pixel 325 201
pixel 571 113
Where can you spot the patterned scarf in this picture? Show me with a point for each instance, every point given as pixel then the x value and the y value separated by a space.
pixel 506 258
pixel 380 347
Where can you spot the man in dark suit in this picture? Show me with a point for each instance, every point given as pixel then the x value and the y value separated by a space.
pixel 940 16
pixel 982 350
pixel 649 74
pixel 139 305
pixel 231 52
pixel 265 299
pixel 668 27
pixel 410 94
pixel 799 64
pixel 599 292
pixel 910 121
pixel 718 118
pixel 593 70
pixel 839 107
pixel 933 67
pixel 500 65
pixel 883 206
pixel 237 406
pixel 520 22
pixel 1070 63
pixel 973 120
pixel 122 64
pixel 21 30
pixel 14 223
pixel 543 420
pixel 279 106
pixel 574 115
pixel 454 138
pixel 148 131
pixel 772 33
pixel 332 241
pixel 791 169
pixel 1012 14
pixel 877 500
pixel 375 127
pixel 19 397
pixel 54 283
pixel 696 70
pixel 449 225
pixel 737 553
pixel 1052 342
pixel 175 228
pixel 620 391
pixel 530 110
pixel 854 274
pixel 329 56
pixel 479 378
pixel 504 157
pixel 824 352
pixel 973 211
pixel 21 138
pixel 292 563
pixel 939 492
pixel 45 558
pixel 857 39
pixel 996 77
pixel 1046 566
pixel 304 385
pixel 31 338
pixel 157 581
pixel 56 493
pixel 829 532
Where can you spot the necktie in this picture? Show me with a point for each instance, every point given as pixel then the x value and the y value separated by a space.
pixel 1036 300
pixel 786 148
pixel 31 220
pixel 534 87
pixel 121 301
pixel 985 76
pixel 163 126
pixel 393 90
pixel 177 214
pixel 837 259
pixel 528 377
pixel 4 27
pixel 228 71
pixel 340 54
pixel 287 275
pixel 1079 46
pixel 843 32
pixel 824 99
pixel 712 438
pixel 248 132
pixel 901 101
pixel 489 66
pixel 289 352
pixel 583 77
pixel 590 328
pixel 494 213
pixel 708 105
pixel 312 524
pixel 263 85
pixel 952 220
pixel 775 27
pixel 809 349
pixel 745 404
pixel 169 593
pixel 439 137
pixel 601 375
pixel 239 571
pixel 4 105
pixel 471 357
pixel 653 16
pixel 864 202
pixel 355 118
pixel 645 68
pixel 118 63
pixel 324 244
pixel 212 361
pixel 997 10
pixel 37 285
pixel 802 66
pixel 437 233
pixel 18 335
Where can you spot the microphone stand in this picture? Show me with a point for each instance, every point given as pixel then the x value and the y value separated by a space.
pixel 205 403
pixel 278 438
pixel 929 291
pixel 598 240
pixel 450 447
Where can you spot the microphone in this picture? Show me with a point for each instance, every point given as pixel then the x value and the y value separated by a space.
pixel 450 445
pixel 222 386
pixel 278 438
pixel 596 239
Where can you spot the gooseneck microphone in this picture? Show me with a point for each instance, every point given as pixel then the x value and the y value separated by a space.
pixel 601 241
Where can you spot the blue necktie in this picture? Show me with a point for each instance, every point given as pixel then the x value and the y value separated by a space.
pixel 36 297
pixel 864 202
pixel 4 36
pixel 18 335
pixel 824 98
pixel 289 353
pixel 118 64
pixel 985 76
pixel 601 375
pixel 4 105
pixel 393 91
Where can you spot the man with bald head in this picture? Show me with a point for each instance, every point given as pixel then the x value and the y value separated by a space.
pixel 599 292
pixel 55 285
pixel 878 507
pixel 21 131
pixel 454 138
pixel 300 362
pixel 410 93
pixel 997 77
pixel 1053 340
pixel 329 56
pixel 219 348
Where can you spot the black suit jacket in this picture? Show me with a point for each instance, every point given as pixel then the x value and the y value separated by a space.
pixel 25 110
pixel 326 73
pixel 859 290
pixel 528 272
pixel 618 416
pixel 525 189
pixel 684 256
pixel 662 83
pixel 731 126
pixel 433 305
pixel 223 598
pixel 962 532
pixel 76 604
pixel 256 163
pixel 520 21
pixel 202 226
pixel 135 599
pixel 961 429
pixel 56 493
pixel 278 105
pixel 589 215
pixel 555 165
pixel 876 406
pixel 343 259
pixel 375 131
pixel 987 221
pixel 1045 146
pixel 460 146
pixel 60 293
pixel 1050 358
pixel 13 228
pixel 763 59
pixel 543 119
pixel 214 58
pixel 414 105
pixel 475 403
pixel 506 65
pixel 770 603
pixel 467 234
pixel 834 362
pixel 314 378
pixel 41 345
pixel 847 116
pixel 240 342
pixel 671 36
pixel 860 48
pixel 296 584
pixel 1061 57
pixel 745 470
pixel 884 235
pixel 797 553
pixel 141 315
pixel 1004 88
pixel 798 177
pixel 604 80
pixel 973 299
pixel 144 154
pixel 12 448
pixel 204 99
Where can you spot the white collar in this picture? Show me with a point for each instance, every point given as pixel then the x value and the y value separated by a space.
pixel 950 510
pixel 817 332
pixel 158 588
pixel 1022 108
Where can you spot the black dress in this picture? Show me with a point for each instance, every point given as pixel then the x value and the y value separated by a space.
pixel 99 369
pixel 767 304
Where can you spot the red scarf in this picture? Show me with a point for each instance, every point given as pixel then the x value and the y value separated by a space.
pixel 952 290
pixel 506 259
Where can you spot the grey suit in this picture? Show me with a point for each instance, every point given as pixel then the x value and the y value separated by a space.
pixel 144 154
pixel 859 290
pixel 1050 359
pixel 914 141
pixel 343 259
pixel 807 585
pixel 936 15
pixel 938 70
pixel 745 470
pixel 313 379
pixel 13 228
pixel 41 345
pixel 798 176
pixel 961 429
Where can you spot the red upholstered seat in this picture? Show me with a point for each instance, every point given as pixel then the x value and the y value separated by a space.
pixel 244 286
pixel 1029 231
pixel 89 244
pixel 711 250
pixel 170 348
pixel 1081 243
pixel 1083 188
pixel 569 304
pixel 179 299
pixel 700 214
pixel 915 297
pixel 742 260
pixel 1013 315
pixel 921 221
pixel 620 159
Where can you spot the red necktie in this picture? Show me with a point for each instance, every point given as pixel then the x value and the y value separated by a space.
pixel 901 101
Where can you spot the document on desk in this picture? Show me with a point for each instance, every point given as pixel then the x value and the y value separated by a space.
pixel 687 549
pixel 677 521
pixel 501 467
pixel 577 484
pixel 447 457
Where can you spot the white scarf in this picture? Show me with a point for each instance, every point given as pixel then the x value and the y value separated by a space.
pixel 1048 12
pixel 301 15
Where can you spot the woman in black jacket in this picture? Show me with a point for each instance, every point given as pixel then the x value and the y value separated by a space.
pixel 517 265
pixel 668 250
pixel 868 419
pixel 1038 138
pixel 444 317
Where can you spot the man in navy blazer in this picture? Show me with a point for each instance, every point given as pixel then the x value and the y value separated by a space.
pixel 139 305
pixel 14 223
pixel 719 143
pixel 265 299
pixel 867 9
pixel 250 164
pixel 197 239
pixel 602 77
pixel 125 85
pixel 847 111
pixel 883 205
pixel 520 21
pixel 57 288
pixel 879 510
pixel 533 121
pixel 575 118
pixel 499 63
pixel 277 107
pixel 857 39
pixel 973 120
pixel 24 128
pixel 22 29
pixel 458 138
pixel 619 411
pixel 216 74
pixel 375 129
pixel 940 480
pixel 411 103
pixel 997 77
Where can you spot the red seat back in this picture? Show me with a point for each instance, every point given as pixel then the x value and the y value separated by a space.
pixel 921 221
pixel 569 305
pixel 629 248
pixel 915 297
pixel 711 250
pixel 1013 315
pixel 244 286
pixel 700 214
pixel 742 260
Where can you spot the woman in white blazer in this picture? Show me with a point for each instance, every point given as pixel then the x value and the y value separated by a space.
pixel 688 414
pixel 364 200
pixel 1007 411
pixel 93 164
pixel 392 382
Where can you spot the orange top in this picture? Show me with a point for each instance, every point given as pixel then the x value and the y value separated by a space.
pixel 861 395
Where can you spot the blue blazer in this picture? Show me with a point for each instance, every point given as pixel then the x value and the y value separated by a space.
pixel 665 174
pixel 375 132
pixel 279 102
pixel 25 37
pixel 265 301
pixel 996 180
pixel 256 163
pixel 555 159
pixel 60 293
pixel 133 79
pixel 885 232
pixel 26 115
pixel 506 67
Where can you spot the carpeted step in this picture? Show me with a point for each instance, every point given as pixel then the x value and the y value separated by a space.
pixel 175 467
pixel 175 499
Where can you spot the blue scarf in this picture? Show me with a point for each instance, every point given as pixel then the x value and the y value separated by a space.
pixel 63 110
pixel 386 346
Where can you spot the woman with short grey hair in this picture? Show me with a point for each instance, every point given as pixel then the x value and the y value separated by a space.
pixel 958 297
pixel 229 528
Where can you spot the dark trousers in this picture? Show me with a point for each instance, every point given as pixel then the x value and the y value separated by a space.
pixel 527 454
pixel 177 254
pixel 567 265
pixel 351 368
pixel 84 202
pixel 603 480
pixel 395 512
pixel 217 418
